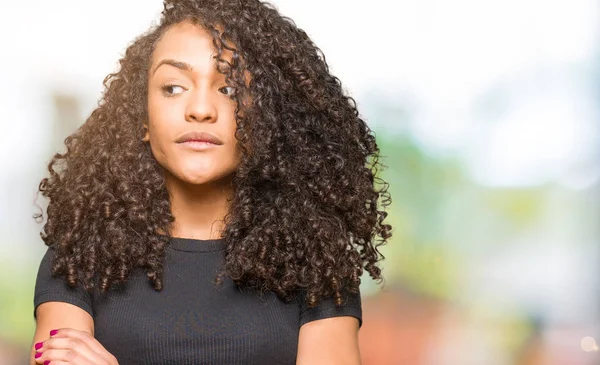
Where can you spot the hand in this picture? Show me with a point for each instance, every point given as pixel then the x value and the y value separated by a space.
pixel 67 346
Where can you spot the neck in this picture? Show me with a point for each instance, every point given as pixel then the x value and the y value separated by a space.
pixel 199 210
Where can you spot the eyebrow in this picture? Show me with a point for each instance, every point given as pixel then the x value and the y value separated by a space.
pixel 179 64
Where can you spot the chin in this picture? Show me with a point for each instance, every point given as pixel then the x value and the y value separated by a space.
pixel 197 179
pixel 205 177
pixel 199 172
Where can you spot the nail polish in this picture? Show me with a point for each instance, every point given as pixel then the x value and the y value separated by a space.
pixel 38 345
pixel 46 362
pixel 53 332
pixel 38 354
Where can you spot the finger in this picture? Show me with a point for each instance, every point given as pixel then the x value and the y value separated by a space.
pixel 69 343
pixel 61 356
pixel 40 359
pixel 83 336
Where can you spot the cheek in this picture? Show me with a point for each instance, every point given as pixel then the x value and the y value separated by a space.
pixel 160 127
pixel 159 112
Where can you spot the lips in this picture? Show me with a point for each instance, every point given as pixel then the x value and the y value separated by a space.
pixel 196 136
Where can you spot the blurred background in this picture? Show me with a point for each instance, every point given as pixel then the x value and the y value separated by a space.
pixel 487 113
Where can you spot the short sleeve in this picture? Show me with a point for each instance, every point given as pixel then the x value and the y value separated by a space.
pixel 56 289
pixel 351 306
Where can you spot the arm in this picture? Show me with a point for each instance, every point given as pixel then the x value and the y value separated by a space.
pixel 74 344
pixel 329 341
pixel 54 315
pixel 70 312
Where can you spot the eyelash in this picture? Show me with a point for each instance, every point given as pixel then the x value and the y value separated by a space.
pixel 232 88
pixel 168 95
pixel 167 86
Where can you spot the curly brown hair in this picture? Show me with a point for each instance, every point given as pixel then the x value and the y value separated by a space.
pixel 308 207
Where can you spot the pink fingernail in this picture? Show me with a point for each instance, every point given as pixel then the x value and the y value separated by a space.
pixel 46 362
pixel 53 332
pixel 38 345
pixel 38 354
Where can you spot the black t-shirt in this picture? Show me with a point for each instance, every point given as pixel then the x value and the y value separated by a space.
pixel 191 321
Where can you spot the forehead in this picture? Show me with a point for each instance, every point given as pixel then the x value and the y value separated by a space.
pixel 189 43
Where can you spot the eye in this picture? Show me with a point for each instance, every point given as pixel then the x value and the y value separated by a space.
pixel 229 90
pixel 167 89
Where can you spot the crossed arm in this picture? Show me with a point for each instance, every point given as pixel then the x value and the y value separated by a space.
pixel 330 341
pixel 73 344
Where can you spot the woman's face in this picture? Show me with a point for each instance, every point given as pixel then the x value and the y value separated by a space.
pixel 187 95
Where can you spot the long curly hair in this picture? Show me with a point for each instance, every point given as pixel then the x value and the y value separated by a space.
pixel 308 209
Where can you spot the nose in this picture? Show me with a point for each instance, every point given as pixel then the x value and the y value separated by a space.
pixel 201 107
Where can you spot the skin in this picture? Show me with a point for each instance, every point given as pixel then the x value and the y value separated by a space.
pixel 197 100
pixel 199 185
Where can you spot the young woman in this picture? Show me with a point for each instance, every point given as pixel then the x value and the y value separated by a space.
pixel 218 207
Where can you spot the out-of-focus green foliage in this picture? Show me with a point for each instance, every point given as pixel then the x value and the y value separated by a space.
pixel 418 254
pixel 439 215
pixel 16 303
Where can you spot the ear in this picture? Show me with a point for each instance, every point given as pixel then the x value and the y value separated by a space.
pixel 146 137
